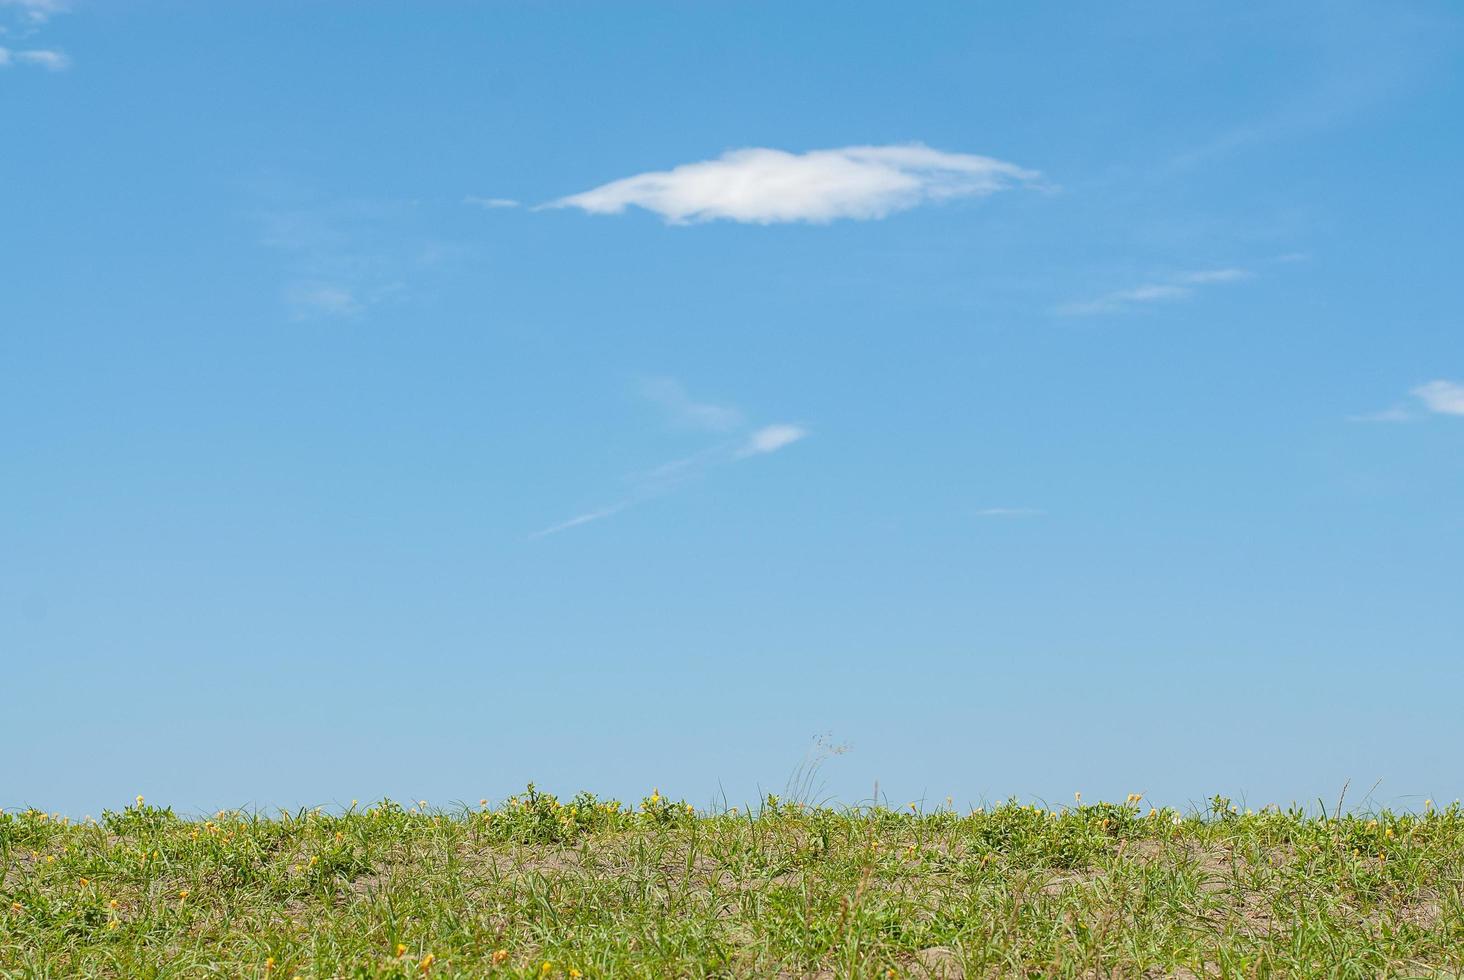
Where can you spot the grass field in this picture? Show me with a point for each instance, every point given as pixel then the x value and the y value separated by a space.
pixel 589 888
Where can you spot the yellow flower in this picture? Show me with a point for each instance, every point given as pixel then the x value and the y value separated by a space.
pixel 112 904
pixel 183 894
pixel 268 963
pixel 401 949
pixel 16 906
pixel 139 799
pixel 574 974
pixel 84 883
pixel 113 923
pixel 544 970
pixel 426 963
pixel 499 955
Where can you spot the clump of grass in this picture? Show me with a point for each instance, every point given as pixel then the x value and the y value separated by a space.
pixel 536 887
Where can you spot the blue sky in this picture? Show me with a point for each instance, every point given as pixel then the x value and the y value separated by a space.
pixel 418 399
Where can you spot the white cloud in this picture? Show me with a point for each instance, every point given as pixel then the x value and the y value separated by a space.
pixel 326 299
pixel 1010 512
pixel 1439 397
pixel 37 11
pixel 667 477
pixel 687 413
pixel 1181 286
pixel 1213 275
pixel 49 60
pixel 766 186
pixel 771 438
pixel 1442 397
pixel 490 203
pixel 586 518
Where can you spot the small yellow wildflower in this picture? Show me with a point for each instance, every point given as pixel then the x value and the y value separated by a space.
pixel 112 904
pixel 426 963
pixel 113 923
pixel 401 949
pixel 85 882
pixel 139 799
pixel 268 964
pixel 544 970
pixel 574 974
pixel 16 906
pixel 183 894
pixel 499 955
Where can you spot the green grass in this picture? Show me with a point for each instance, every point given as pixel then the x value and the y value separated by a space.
pixel 536 887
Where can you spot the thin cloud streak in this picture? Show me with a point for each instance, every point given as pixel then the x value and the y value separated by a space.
pixel 1010 512
pixel 759 185
pixel 490 203
pixel 49 60
pixel 669 476
pixel 582 519
pixel 1179 287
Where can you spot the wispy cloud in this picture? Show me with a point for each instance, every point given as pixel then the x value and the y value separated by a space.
pixel 1010 512
pixel 585 518
pixel 765 186
pixel 343 258
pixel 21 19
pixel 1438 397
pixel 685 412
pixel 490 203
pixel 1441 397
pixel 49 60
pixel 37 11
pixel 669 476
pixel 326 299
pixel 1177 287
pixel 771 438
